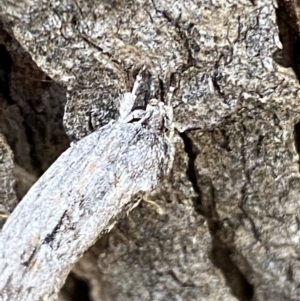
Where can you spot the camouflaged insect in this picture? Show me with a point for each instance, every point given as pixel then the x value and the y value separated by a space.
pixel 81 196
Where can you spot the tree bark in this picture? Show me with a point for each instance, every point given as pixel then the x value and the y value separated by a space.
pixel 231 201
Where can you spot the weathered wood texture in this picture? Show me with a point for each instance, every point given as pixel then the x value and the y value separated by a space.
pixel 231 202
pixel 8 195
pixel 31 112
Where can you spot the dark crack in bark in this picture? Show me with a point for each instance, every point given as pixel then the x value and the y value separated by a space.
pixel 297 139
pixel 221 249
pixel 287 19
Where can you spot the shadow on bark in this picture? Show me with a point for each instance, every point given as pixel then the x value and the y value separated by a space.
pixel 221 253
pixel 287 21
pixel 76 289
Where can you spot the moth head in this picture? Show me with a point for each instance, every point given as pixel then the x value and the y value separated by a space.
pixel 153 102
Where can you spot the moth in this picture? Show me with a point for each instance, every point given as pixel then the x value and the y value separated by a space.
pixel 81 196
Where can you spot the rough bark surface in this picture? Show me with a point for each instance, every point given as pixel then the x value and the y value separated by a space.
pixel 232 200
pixel 31 110
pixel 8 195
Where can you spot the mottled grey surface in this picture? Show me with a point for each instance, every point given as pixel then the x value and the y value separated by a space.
pixel 241 168
pixel 31 110
pixel 8 194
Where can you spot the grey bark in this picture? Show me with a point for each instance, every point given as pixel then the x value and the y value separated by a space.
pixel 7 191
pixel 31 112
pixel 231 201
